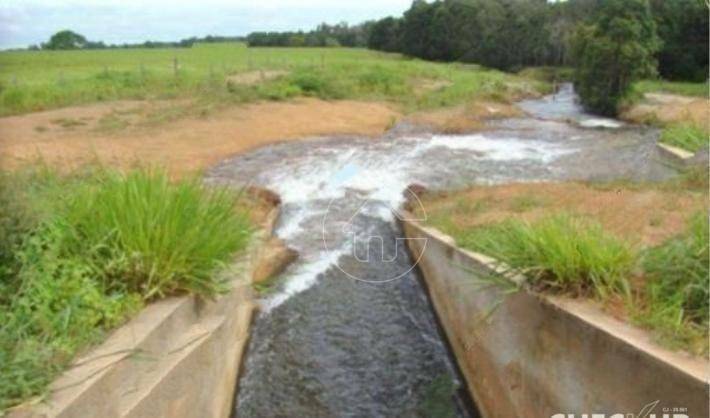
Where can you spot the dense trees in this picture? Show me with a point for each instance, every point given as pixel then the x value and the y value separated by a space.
pixel 510 34
pixel 505 34
pixel 385 35
pixel 614 51
pixel 324 35
pixel 683 27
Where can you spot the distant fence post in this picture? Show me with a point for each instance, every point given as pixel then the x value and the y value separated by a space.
pixel 175 66
pixel 322 60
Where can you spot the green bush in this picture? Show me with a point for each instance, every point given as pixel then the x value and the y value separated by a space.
pixel 560 252
pixel 86 251
pixel 677 284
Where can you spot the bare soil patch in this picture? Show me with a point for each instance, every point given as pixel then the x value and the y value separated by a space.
pixel 640 216
pixel 181 143
pixel 670 108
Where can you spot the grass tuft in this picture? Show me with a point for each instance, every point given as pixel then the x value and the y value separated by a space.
pixel 82 253
pixel 561 253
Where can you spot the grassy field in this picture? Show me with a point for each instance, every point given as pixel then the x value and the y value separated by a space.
pixel 673 87
pixel 37 80
pixel 83 253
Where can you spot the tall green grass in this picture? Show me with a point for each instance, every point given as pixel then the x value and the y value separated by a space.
pixel 85 252
pixel 561 253
pixel 677 286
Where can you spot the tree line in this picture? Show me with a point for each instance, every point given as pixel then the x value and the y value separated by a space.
pixel 511 34
pixel 67 40
pixel 324 35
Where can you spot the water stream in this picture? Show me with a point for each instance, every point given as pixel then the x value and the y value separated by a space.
pixel 348 331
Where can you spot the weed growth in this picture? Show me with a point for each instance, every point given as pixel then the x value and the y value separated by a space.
pixel 81 254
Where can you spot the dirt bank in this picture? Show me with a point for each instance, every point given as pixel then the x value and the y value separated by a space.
pixel 670 108
pixel 644 216
pixel 128 132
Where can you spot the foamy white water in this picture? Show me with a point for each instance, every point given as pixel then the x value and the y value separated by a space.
pixel 317 186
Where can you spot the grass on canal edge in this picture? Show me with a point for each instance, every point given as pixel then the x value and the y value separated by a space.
pixel 560 253
pixel 82 253
pixel 685 136
pixel 662 286
pixel 574 256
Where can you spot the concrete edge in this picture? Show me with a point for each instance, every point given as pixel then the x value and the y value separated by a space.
pixel 586 311
pixel 678 154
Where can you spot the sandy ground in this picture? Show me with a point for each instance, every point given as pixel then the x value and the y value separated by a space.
pixel 125 133
pixel 643 216
pixel 670 108
pixel 176 135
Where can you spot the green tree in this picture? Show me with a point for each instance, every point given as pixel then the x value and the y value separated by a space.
pixel 614 51
pixel 416 29
pixel 66 39
pixel 385 35
pixel 683 26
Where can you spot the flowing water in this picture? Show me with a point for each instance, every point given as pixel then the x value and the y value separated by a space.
pixel 348 330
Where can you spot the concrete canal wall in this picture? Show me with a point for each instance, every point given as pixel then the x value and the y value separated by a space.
pixel 528 355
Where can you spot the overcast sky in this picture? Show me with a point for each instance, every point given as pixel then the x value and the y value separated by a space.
pixel 25 22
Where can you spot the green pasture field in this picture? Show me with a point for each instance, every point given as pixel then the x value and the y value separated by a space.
pixel 40 80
